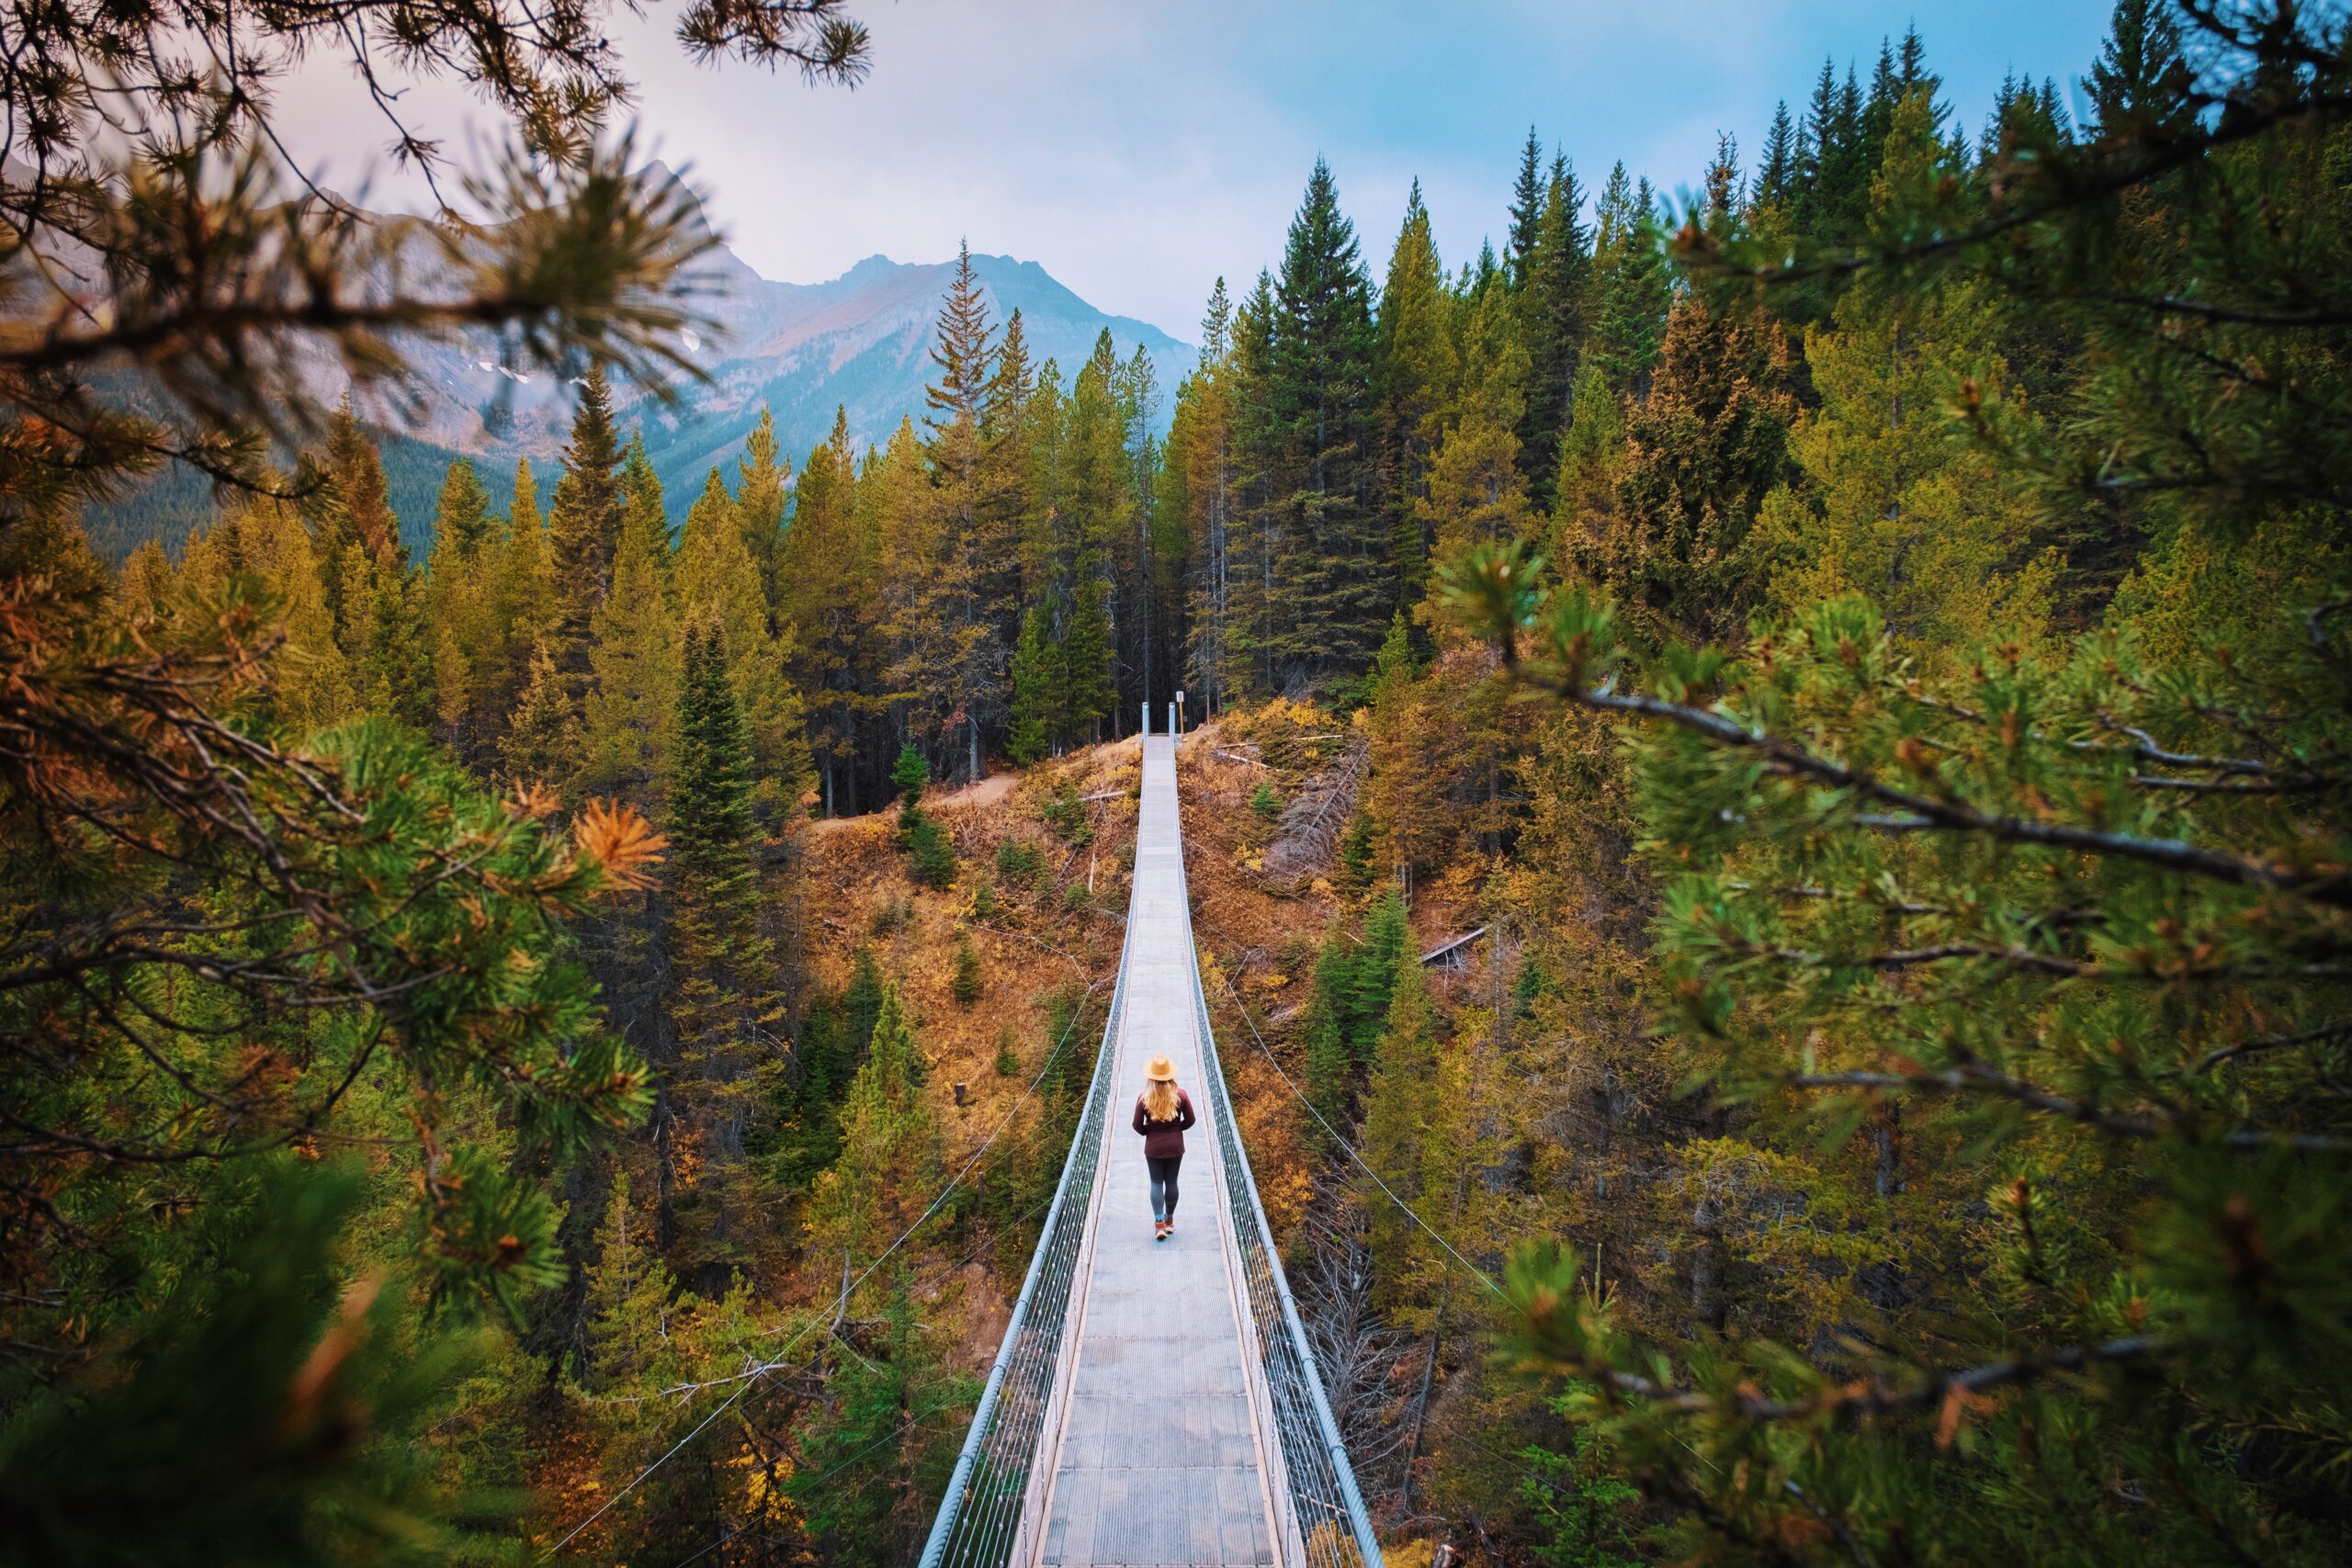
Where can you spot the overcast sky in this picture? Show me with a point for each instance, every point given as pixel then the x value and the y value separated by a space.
pixel 1140 148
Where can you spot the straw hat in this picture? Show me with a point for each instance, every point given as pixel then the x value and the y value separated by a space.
pixel 1161 1070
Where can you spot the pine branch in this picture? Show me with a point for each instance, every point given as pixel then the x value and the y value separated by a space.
pixel 1972 1077
pixel 1870 1396
pixel 1916 812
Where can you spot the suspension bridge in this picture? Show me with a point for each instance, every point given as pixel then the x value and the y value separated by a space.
pixel 1154 1402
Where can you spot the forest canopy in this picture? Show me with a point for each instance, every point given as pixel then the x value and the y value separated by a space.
pixel 1775 780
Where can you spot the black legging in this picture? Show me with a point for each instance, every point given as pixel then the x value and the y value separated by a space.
pixel 1163 1185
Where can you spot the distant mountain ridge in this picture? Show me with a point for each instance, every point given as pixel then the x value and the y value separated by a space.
pixel 860 342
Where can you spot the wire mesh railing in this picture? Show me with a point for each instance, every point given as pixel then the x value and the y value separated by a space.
pixel 989 1501
pixel 1326 1513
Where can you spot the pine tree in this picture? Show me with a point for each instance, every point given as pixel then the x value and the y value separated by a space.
pixel 396 668
pixel 728 1002
pixel 544 743
pixel 1527 200
pixel 1401 1112
pixel 1405 820
pixel 1702 452
pixel 461 609
pixel 1332 576
pixel 1203 475
pixel 642 503
pixel 463 516
pixel 909 774
pixel 1095 509
pixel 632 702
pixel 1035 684
pixel 956 595
pixel 267 538
pixel 1776 176
pixel 585 521
pixel 1151 627
pixel 887 1143
pixel 763 482
pixel 1898 501
pixel 629 1290
pixel 830 565
pixel 965 985
pixel 1475 490
pixel 1413 378
pixel 1256 538
pixel 718 584
pixel 929 613
pixel 527 602
pixel 1552 313
pixel 1330 1060
pixel 357 505
pixel 2137 84
pixel 1630 285
pixel 1380 965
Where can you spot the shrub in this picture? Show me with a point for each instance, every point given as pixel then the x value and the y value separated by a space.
pixel 1067 815
pixel 965 987
pixel 1017 862
pixel 931 858
pixel 1008 1059
pixel 1076 897
pixel 911 773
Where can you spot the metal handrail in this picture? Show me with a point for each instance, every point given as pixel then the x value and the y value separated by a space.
pixel 981 1516
pixel 1335 1529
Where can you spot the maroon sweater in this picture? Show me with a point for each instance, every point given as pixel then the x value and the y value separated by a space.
pixel 1164 1139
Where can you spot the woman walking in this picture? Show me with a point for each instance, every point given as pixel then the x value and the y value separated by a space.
pixel 1162 1112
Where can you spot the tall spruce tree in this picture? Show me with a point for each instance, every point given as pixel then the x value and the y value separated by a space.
pixel 1414 371
pixel 585 521
pixel 2139 81
pixel 630 709
pixel 728 1001
pixel 1203 463
pixel 830 565
pixel 1553 308
pixel 1527 197
pixel 1333 577
pixel 970 547
pixel 763 482
pixel 1631 286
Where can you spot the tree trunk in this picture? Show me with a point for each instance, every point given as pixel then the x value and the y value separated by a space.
pixel 1707 1264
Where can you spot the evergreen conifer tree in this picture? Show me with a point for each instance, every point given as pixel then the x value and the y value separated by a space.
pixel 1332 576
pixel 544 743
pixel 631 709
pixel 527 602
pixel 1034 687
pixel 1526 212
pixel 1551 328
pixel 763 481
pixel 585 521
pixel 1414 373
pixel 2137 84
pixel 728 1002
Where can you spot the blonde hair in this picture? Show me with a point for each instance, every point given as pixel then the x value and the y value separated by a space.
pixel 1160 1099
